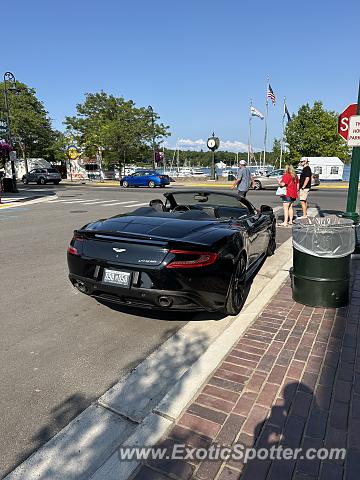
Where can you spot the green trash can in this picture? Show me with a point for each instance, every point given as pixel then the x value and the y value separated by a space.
pixel 322 249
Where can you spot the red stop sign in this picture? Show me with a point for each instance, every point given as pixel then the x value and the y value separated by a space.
pixel 343 120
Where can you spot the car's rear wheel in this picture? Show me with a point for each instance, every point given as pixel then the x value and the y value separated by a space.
pixel 272 242
pixel 25 180
pixel 152 184
pixel 257 185
pixel 125 183
pixel 56 182
pixel 236 293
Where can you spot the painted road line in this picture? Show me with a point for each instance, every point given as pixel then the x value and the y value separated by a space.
pixel 137 205
pixel 62 201
pixel 11 200
pixel 81 201
pixel 119 203
pixel 92 202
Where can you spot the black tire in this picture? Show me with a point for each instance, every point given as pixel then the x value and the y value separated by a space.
pixel 236 295
pixel 151 184
pixel 125 184
pixel 25 180
pixel 41 181
pixel 257 185
pixel 272 242
pixel 56 182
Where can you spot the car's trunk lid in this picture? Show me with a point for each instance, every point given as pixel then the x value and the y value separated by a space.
pixel 139 240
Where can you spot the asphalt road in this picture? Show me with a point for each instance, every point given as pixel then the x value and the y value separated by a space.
pixel 59 349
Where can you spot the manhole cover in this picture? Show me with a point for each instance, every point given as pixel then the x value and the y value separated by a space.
pixel 78 211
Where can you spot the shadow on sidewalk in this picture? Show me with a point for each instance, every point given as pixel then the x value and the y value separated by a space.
pixel 88 440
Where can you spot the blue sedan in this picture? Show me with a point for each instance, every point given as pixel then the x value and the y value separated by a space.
pixel 145 178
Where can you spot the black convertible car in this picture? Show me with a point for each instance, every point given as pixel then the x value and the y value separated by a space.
pixel 193 251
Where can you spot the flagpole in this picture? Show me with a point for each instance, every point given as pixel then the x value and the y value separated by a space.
pixel 266 115
pixel 282 136
pixel 249 136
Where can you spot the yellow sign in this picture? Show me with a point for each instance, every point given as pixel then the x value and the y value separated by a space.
pixel 73 153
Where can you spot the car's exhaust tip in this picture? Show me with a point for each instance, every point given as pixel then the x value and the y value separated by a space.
pixel 81 286
pixel 165 301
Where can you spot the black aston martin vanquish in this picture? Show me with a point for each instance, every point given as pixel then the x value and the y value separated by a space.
pixel 194 250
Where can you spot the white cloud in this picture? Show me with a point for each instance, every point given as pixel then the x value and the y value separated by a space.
pixel 191 144
pixel 200 144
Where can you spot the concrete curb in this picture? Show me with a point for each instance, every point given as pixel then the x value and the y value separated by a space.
pixel 88 447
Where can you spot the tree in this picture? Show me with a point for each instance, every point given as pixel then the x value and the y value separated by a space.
pixel 274 156
pixel 30 124
pixel 116 126
pixel 312 132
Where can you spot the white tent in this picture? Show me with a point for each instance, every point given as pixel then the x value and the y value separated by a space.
pixel 328 168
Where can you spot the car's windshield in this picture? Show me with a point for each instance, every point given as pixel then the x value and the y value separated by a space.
pixel 208 199
pixel 52 170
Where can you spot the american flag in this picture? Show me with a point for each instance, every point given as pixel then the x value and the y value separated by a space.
pixel 271 94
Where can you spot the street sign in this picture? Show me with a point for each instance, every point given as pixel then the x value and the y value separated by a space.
pixel 73 153
pixel 354 131
pixel 343 120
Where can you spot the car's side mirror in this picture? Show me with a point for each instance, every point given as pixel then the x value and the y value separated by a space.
pixel 266 209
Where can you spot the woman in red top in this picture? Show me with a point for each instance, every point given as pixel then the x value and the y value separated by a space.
pixel 291 182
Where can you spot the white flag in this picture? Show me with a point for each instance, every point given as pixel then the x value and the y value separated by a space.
pixel 256 113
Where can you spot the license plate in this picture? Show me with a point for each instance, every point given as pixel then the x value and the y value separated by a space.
pixel 117 278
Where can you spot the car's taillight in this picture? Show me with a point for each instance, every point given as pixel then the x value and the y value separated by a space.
pixel 73 251
pixel 190 259
pixel 75 247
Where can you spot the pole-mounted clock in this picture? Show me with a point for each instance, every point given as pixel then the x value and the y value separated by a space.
pixel 213 144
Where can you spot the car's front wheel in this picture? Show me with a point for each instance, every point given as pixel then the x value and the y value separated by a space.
pixel 257 185
pixel 151 184
pixel 25 180
pixel 125 184
pixel 236 295
pixel 41 181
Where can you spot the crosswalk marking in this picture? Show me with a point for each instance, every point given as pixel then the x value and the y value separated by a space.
pixel 92 202
pixel 119 203
pixel 10 200
pixel 137 205
pixel 81 201
pixel 99 202
pixel 64 201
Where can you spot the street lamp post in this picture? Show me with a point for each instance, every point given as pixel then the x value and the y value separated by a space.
pixel 151 110
pixel 213 144
pixel 10 78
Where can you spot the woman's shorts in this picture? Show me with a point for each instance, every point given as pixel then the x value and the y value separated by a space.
pixel 286 199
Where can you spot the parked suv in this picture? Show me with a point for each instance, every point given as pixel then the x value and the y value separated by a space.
pixel 42 176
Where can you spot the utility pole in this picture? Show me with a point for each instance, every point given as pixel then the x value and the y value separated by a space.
pixel 9 77
pixel 151 110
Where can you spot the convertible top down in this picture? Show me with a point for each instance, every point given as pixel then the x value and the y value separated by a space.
pixel 193 250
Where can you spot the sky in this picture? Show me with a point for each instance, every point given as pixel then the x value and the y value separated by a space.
pixel 197 62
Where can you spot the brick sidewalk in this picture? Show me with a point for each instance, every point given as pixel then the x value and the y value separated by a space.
pixel 293 379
